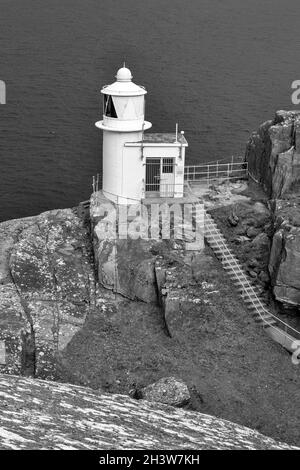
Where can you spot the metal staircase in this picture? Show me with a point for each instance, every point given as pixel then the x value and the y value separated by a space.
pixel 276 328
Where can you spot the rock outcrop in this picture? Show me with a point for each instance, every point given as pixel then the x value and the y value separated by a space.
pixel 193 302
pixel 273 153
pixel 47 288
pixel 38 414
pixel 284 263
pixel 127 267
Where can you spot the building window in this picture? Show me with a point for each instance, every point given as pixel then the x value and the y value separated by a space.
pixel 168 165
pixel 108 107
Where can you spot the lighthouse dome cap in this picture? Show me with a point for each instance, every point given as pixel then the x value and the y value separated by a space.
pixel 124 75
pixel 123 86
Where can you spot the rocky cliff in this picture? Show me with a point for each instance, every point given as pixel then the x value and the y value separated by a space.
pixel 273 155
pixel 38 414
pixel 284 263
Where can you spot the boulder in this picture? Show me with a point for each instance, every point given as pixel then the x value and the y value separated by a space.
pixel 168 390
pixel 264 277
pixel 252 232
pixel 253 274
pixel 242 239
pixel 241 230
pixel 233 219
pixel 261 243
pixel 252 262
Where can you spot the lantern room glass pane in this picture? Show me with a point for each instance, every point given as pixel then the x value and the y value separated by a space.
pixel 109 108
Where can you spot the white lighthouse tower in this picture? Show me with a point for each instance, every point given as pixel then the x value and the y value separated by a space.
pixel 137 165
pixel 123 122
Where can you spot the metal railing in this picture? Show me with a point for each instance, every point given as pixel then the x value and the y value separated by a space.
pixel 211 171
pixel 164 189
pixel 98 198
pixel 97 182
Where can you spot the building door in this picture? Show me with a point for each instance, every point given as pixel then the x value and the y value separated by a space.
pixel 153 172
pixel 160 173
pixel 167 173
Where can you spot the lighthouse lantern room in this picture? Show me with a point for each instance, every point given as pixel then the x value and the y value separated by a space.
pixel 137 165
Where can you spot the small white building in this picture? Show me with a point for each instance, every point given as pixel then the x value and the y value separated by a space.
pixel 136 164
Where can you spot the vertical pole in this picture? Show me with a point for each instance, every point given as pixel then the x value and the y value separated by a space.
pixel 176 140
pixel 228 170
pixel 181 145
pixel 93 184
pixel 142 144
pixel 207 175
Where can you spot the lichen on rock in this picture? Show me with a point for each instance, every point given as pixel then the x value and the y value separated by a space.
pixel 48 281
pixel 168 390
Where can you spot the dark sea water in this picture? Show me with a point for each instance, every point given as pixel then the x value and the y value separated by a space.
pixel 218 67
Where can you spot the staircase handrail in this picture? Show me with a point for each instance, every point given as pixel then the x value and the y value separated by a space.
pixel 236 265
